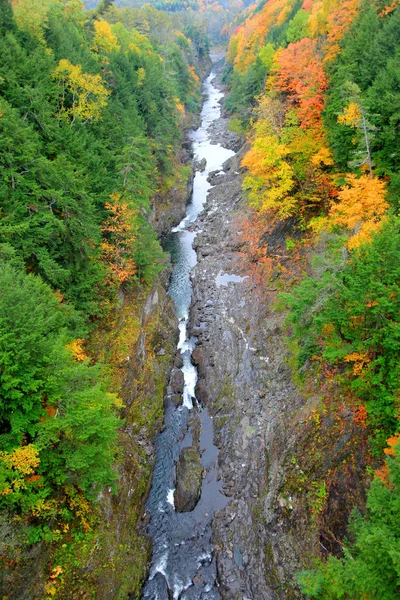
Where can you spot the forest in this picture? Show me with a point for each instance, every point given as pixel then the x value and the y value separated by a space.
pixel 315 87
pixel 94 103
pixel 92 113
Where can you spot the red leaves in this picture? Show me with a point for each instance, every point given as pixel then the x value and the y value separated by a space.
pixel 300 74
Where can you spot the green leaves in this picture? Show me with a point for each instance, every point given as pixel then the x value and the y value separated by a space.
pixel 46 395
pixel 370 567
pixel 89 113
pixel 348 313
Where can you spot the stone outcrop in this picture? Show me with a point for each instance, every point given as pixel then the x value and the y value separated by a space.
pixel 188 480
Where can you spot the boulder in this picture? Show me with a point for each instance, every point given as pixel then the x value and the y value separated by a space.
pixel 177 382
pixel 200 165
pixel 188 480
pixel 201 392
pixel 178 362
pixel 177 399
pixel 199 360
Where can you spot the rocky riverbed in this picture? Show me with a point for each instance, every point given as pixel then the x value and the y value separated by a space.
pixel 246 384
pixel 239 502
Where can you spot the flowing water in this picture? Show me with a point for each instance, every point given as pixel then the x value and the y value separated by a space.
pixel 183 565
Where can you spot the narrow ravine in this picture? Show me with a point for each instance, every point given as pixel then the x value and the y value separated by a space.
pixel 183 565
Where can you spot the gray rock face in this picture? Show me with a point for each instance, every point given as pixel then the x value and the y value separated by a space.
pixel 178 362
pixel 177 399
pixel 188 480
pixel 177 382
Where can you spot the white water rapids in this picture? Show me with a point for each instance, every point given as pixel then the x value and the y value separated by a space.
pixel 183 565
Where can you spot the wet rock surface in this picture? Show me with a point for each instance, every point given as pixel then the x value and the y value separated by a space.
pixel 177 381
pixel 188 480
pixel 244 378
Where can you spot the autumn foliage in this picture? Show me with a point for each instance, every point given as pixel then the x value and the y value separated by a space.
pixel 299 72
pixel 360 208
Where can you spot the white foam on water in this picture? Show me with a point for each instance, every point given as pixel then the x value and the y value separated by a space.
pixel 170 497
pixel 206 556
pixel 180 227
pixel 179 586
pixel 182 333
pixel 160 567
pixel 190 379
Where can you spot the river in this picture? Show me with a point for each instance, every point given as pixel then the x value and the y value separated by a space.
pixel 183 565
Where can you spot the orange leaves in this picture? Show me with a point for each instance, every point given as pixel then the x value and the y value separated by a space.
pixel 307 5
pixel 388 9
pixel 360 416
pixel 299 73
pixel 119 239
pixel 383 472
pixel 392 443
pixel 361 205
pixel 252 233
pixel 250 36
pixel 360 361
pixel 339 19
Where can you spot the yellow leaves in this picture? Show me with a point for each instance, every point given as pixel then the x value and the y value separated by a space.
pixel 31 16
pixel 180 107
pixel 134 48
pixel 360 361
pixel 24 459
pixel 77 351
pixel 141 75
pixel 44 508
pixel 322 157
pixel 18 468
pixel 361 206
pixel 80 507
pixel 364 235
pixel 270 177
pixel 328 330
pixel 351 115
pixel 119 238
pixel 51 586
pixel 82 95
pixel 104 41
pixel 192 73
pixel 50 589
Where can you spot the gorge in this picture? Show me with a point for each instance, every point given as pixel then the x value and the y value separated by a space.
pixel 199 300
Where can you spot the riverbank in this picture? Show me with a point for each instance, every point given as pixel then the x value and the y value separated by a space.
pixel 246 383
pixel 278 441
